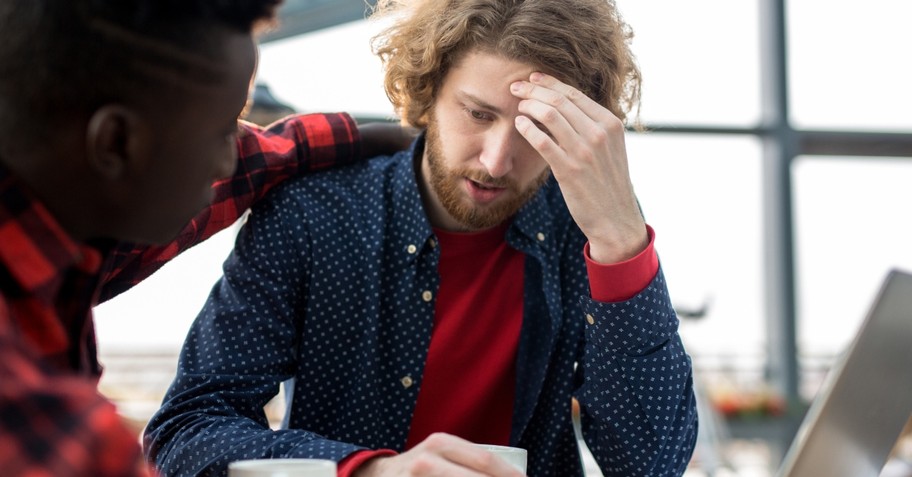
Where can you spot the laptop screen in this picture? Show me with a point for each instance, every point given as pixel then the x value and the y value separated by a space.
pixel 866 399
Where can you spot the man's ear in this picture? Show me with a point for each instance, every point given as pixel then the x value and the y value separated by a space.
pixel 116 140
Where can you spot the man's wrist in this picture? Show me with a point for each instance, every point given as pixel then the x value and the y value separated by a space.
pixel 622 280
pixel 620 250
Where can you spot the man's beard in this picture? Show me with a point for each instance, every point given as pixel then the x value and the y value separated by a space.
pixel 448 185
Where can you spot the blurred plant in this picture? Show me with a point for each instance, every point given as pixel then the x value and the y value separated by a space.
pixel 747 402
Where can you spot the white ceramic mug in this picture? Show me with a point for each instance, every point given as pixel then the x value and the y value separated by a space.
pixel 513 455
pixel 282 468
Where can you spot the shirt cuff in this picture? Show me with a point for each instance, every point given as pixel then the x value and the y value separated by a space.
pixel 623 280
pixel 351 463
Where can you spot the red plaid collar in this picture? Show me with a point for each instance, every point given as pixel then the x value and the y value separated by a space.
pixel 36 250
pixel 37 254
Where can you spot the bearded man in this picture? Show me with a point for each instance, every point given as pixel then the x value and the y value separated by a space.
pixel 463 291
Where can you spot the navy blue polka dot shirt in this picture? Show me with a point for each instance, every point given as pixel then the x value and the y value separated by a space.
pixel 331 289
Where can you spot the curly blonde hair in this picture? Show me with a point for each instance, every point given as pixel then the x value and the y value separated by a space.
pixel 584 43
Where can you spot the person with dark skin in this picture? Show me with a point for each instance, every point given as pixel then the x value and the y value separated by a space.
pixel 120 147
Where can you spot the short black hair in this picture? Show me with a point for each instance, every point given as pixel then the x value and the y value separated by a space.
pixel 61 58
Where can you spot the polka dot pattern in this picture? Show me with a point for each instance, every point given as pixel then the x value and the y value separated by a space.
pixel 332 287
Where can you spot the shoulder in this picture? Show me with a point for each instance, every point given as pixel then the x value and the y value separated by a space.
pixel 333 202
pixel 364 182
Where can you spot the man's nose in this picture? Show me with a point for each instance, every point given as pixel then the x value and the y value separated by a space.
pixel 498 152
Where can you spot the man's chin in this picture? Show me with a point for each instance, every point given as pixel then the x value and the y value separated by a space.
pixel 480 219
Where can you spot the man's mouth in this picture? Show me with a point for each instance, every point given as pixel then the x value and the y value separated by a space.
pixel 481 192
pixel 484 186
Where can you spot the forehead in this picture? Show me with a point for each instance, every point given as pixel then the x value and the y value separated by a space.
pixel 486 77
pixel 239 60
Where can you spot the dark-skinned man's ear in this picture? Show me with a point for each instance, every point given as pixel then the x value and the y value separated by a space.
pixel 116 140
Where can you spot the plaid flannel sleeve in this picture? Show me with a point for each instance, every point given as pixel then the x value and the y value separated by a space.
pixel 58 425
pixel 295 145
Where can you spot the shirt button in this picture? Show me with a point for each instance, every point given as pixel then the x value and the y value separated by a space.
pixel 433 243
pixel 590 319
pixel 540 236
pixel 412 249
pixel 406 382
pixel 427 295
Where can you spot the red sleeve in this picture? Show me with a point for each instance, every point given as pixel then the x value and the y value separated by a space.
pixel 292 146
pixel 54 425
pixel 351 463
pixel 623 280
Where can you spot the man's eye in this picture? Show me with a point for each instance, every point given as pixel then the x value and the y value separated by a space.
pixel 477 115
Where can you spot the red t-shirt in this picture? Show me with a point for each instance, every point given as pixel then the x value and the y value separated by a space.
pixel 467 388
pixel 467 385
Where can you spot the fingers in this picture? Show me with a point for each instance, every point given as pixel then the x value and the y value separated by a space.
pixel 563 112
pixel 556 115
pixel 550 90
pixel 538 139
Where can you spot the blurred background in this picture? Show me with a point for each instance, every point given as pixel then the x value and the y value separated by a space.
pixel 775 170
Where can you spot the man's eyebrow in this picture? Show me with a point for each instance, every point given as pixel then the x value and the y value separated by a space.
pixel 480 102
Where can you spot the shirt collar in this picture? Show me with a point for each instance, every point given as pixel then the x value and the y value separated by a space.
pixel 533 227
pixel 528 233
pixel 36 249
pixel 412 226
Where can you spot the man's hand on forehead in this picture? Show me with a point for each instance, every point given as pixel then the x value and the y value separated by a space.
pixel 583 143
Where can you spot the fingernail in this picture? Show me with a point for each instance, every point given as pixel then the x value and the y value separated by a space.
pixel 516 86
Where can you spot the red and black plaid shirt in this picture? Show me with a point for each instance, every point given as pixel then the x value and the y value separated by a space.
pixel 53 422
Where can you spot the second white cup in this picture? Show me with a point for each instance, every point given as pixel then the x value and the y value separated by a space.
pixel 282 468
pixel 513 455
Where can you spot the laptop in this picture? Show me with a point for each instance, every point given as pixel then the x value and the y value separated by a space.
pixel 866 398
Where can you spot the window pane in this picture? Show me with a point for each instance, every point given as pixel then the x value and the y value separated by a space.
pixel 702 194
pixel 849 65
pixel 699 60
pixel 327 70
pixel 852 226
pixel 697 70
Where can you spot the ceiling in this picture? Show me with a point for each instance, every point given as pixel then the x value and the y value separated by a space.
pixel 297 17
